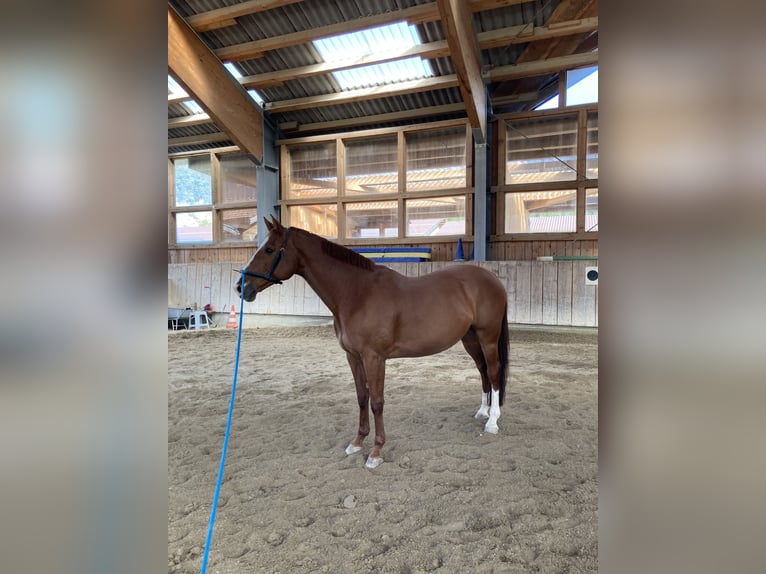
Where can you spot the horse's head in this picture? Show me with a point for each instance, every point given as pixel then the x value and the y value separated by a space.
pixel 270 265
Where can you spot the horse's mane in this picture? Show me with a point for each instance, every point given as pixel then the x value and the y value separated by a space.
pixel 342 254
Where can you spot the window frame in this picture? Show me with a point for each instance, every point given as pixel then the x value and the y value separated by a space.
pixel 581 183
pixel 342 199
pixel 218 206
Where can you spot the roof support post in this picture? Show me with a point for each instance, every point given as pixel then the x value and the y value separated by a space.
pixel 481 202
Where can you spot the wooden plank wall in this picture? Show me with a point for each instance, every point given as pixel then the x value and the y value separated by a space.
pixel 500 250
pixel 539 292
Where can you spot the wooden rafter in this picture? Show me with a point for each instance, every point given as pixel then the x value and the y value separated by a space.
pixel 398 89
pixel 458 27
pixel 205 79
pixel 374 119
pixel 227 16
pixel 541 67
pixel 188 121
pixel 566 11
pixel 269 79
pixel 419 14
pixel 439 82
pixel 198 139
pixel 256 49
pixel 491 39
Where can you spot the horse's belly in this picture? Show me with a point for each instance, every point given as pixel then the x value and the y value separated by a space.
pixel 426 343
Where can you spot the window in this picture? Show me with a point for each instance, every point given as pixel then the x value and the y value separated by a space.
pixel 541 150
pixel 238 186
pixel 196 227
pixel 549 181
pixel 581 88
pixel 541 211
pixel 372 166
pixel 437 216
pixel 193 182
pixel 205 210
pixel 407 182
pixel 313 171
pixel 372 219
pixel 436 160
pixel 591 209
pixel 591 165
pixel 320 219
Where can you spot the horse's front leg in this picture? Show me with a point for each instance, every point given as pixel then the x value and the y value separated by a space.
pixel 375 372
pixel 362 395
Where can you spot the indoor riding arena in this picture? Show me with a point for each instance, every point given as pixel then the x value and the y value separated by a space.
pixel 408 236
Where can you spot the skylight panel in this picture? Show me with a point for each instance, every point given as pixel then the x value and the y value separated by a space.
pixel 254 94
pixel 233 70
pixel 193 107
pixel 174 87
pixel 258 98
pixel 383 39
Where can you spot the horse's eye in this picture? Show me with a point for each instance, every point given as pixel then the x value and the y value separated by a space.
pixel 269 250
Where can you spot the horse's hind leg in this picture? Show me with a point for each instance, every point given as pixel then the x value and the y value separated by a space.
pixel 481 344
pixel 492 358
pixel 362 396
pixel 472 345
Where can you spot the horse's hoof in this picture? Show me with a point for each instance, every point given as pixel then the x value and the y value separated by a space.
pixel 491 428
pixel 480 414
pixel 373 462
pixel 351 449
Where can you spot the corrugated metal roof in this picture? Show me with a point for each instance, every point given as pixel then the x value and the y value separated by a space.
pixel 309 15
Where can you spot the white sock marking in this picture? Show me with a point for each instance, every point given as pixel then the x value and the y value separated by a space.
pixel 494 413
pixel 483 411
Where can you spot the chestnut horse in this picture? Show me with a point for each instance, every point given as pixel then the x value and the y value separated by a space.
pixel 381 314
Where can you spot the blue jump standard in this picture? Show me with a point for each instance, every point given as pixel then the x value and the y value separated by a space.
pixel 395 254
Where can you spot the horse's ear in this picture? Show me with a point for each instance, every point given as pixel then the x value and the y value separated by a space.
pixel 277 224
pixel 269 225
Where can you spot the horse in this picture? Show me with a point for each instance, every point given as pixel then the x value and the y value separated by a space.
pixel 380 314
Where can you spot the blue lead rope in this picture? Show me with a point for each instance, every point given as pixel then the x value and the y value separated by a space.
pixel 226 435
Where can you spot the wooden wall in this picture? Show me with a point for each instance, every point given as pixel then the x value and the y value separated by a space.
pixel 539 292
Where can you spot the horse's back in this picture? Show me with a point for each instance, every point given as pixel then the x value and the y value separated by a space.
pixel 478 282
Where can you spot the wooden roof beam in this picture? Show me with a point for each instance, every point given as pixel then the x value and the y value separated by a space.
pixel 178 98
pixel 542 67
pixel 437 83
pixel 461 38
pixel 491 39
pixel 419 14
pixel 204 78
pixel 256 49
pixel 295 128
pixel 198 139
pixel 227 16
pixel 440 82
pixel 565 12
pixel 188 121
pixel 269 79
pixel 524 33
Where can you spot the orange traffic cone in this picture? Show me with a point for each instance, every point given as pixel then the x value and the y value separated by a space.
pixel 232 324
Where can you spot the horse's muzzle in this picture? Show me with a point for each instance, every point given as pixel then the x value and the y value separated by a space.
pixel 249 292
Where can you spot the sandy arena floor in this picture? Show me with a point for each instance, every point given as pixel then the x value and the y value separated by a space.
pixel 448 498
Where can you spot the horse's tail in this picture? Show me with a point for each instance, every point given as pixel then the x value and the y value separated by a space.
pixel 503 345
